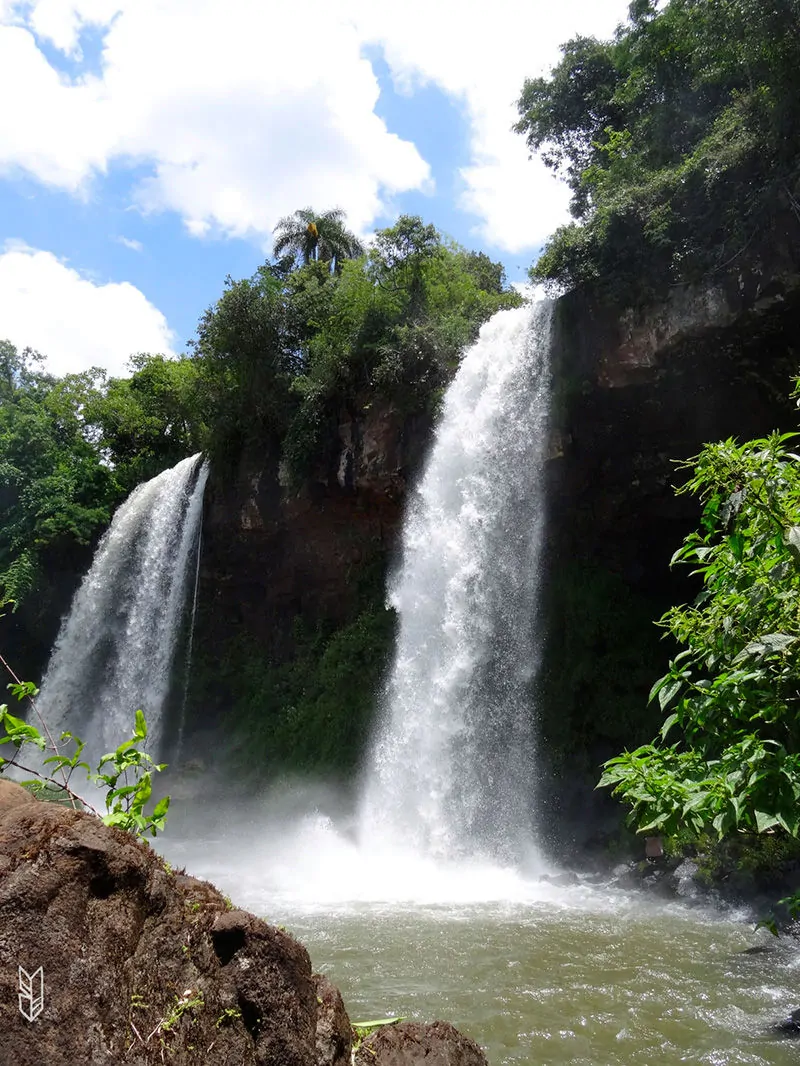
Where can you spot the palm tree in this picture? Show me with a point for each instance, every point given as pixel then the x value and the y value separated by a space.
pixel 319 238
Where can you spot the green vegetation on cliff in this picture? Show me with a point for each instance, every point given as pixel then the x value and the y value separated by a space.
pixel 53 488
pixel 283 353
pixel 679 139
pixel 313 712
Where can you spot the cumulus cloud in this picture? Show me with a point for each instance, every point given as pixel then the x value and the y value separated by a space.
pixel 241 112
pixel 73 321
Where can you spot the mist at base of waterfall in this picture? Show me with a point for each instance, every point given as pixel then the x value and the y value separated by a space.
pixel 303 845
pixel 299 846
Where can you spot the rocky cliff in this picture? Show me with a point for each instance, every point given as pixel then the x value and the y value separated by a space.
pixel 272 554
pixel 635 394
pixel 292 629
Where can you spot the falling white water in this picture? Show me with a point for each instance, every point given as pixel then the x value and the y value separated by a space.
pixel 452 770
pixel 115 650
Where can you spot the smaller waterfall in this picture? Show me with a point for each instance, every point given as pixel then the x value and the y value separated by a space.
pixel 116 647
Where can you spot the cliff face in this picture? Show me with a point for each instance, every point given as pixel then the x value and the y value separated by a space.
pixel 292 631
pixel 272 555
pixel 638 392
pixel 634 394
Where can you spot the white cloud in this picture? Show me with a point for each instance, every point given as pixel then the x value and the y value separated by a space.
pixel 242 112
pixel 130 242
pixel 481 55
pixel 74 322
pixel 60 21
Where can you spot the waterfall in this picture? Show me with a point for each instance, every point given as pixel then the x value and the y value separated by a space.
pixel 452 769
pixel 116 647
pixel 187 670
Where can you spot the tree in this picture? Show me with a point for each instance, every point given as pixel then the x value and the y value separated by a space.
pixel 733 692
pixel 313 237
pixel 678 139
pixel 399 257
pixel 55 488
pixel 247 356
pixel 151 420
pixel 391 325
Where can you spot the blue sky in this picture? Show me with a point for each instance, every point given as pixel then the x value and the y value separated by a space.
pixel 153 144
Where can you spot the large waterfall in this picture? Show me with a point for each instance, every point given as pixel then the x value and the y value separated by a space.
pixel 452 770
pixel 116 647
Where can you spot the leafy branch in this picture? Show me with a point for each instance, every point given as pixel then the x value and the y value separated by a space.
pixel 125 773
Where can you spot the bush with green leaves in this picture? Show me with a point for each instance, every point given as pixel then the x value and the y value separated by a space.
pixel 312 713
pixel 728 755
pixel 125 774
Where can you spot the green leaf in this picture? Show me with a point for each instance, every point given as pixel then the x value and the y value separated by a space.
pixel 668 724
pixel 736 542
pixel 143 791
pixel 669 691
pixel 765 821
pixel 793 542
pixel 768 644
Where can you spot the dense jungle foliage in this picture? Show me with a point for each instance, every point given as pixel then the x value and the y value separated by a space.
pixel 679 140
pixel 275 359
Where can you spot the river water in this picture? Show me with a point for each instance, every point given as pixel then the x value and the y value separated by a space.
pixel 535 973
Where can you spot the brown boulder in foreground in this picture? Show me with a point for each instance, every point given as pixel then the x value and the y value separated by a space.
pixel 140 965
pixel 143 966
pixel 414 1044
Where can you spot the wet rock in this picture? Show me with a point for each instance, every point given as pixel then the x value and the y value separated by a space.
pixel 139 965
pixel 562 880
pixel 789 1026
pixel 334 1034
pixel 684 879
pixel 627 876
pixel 658 881
pixel 413 1043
